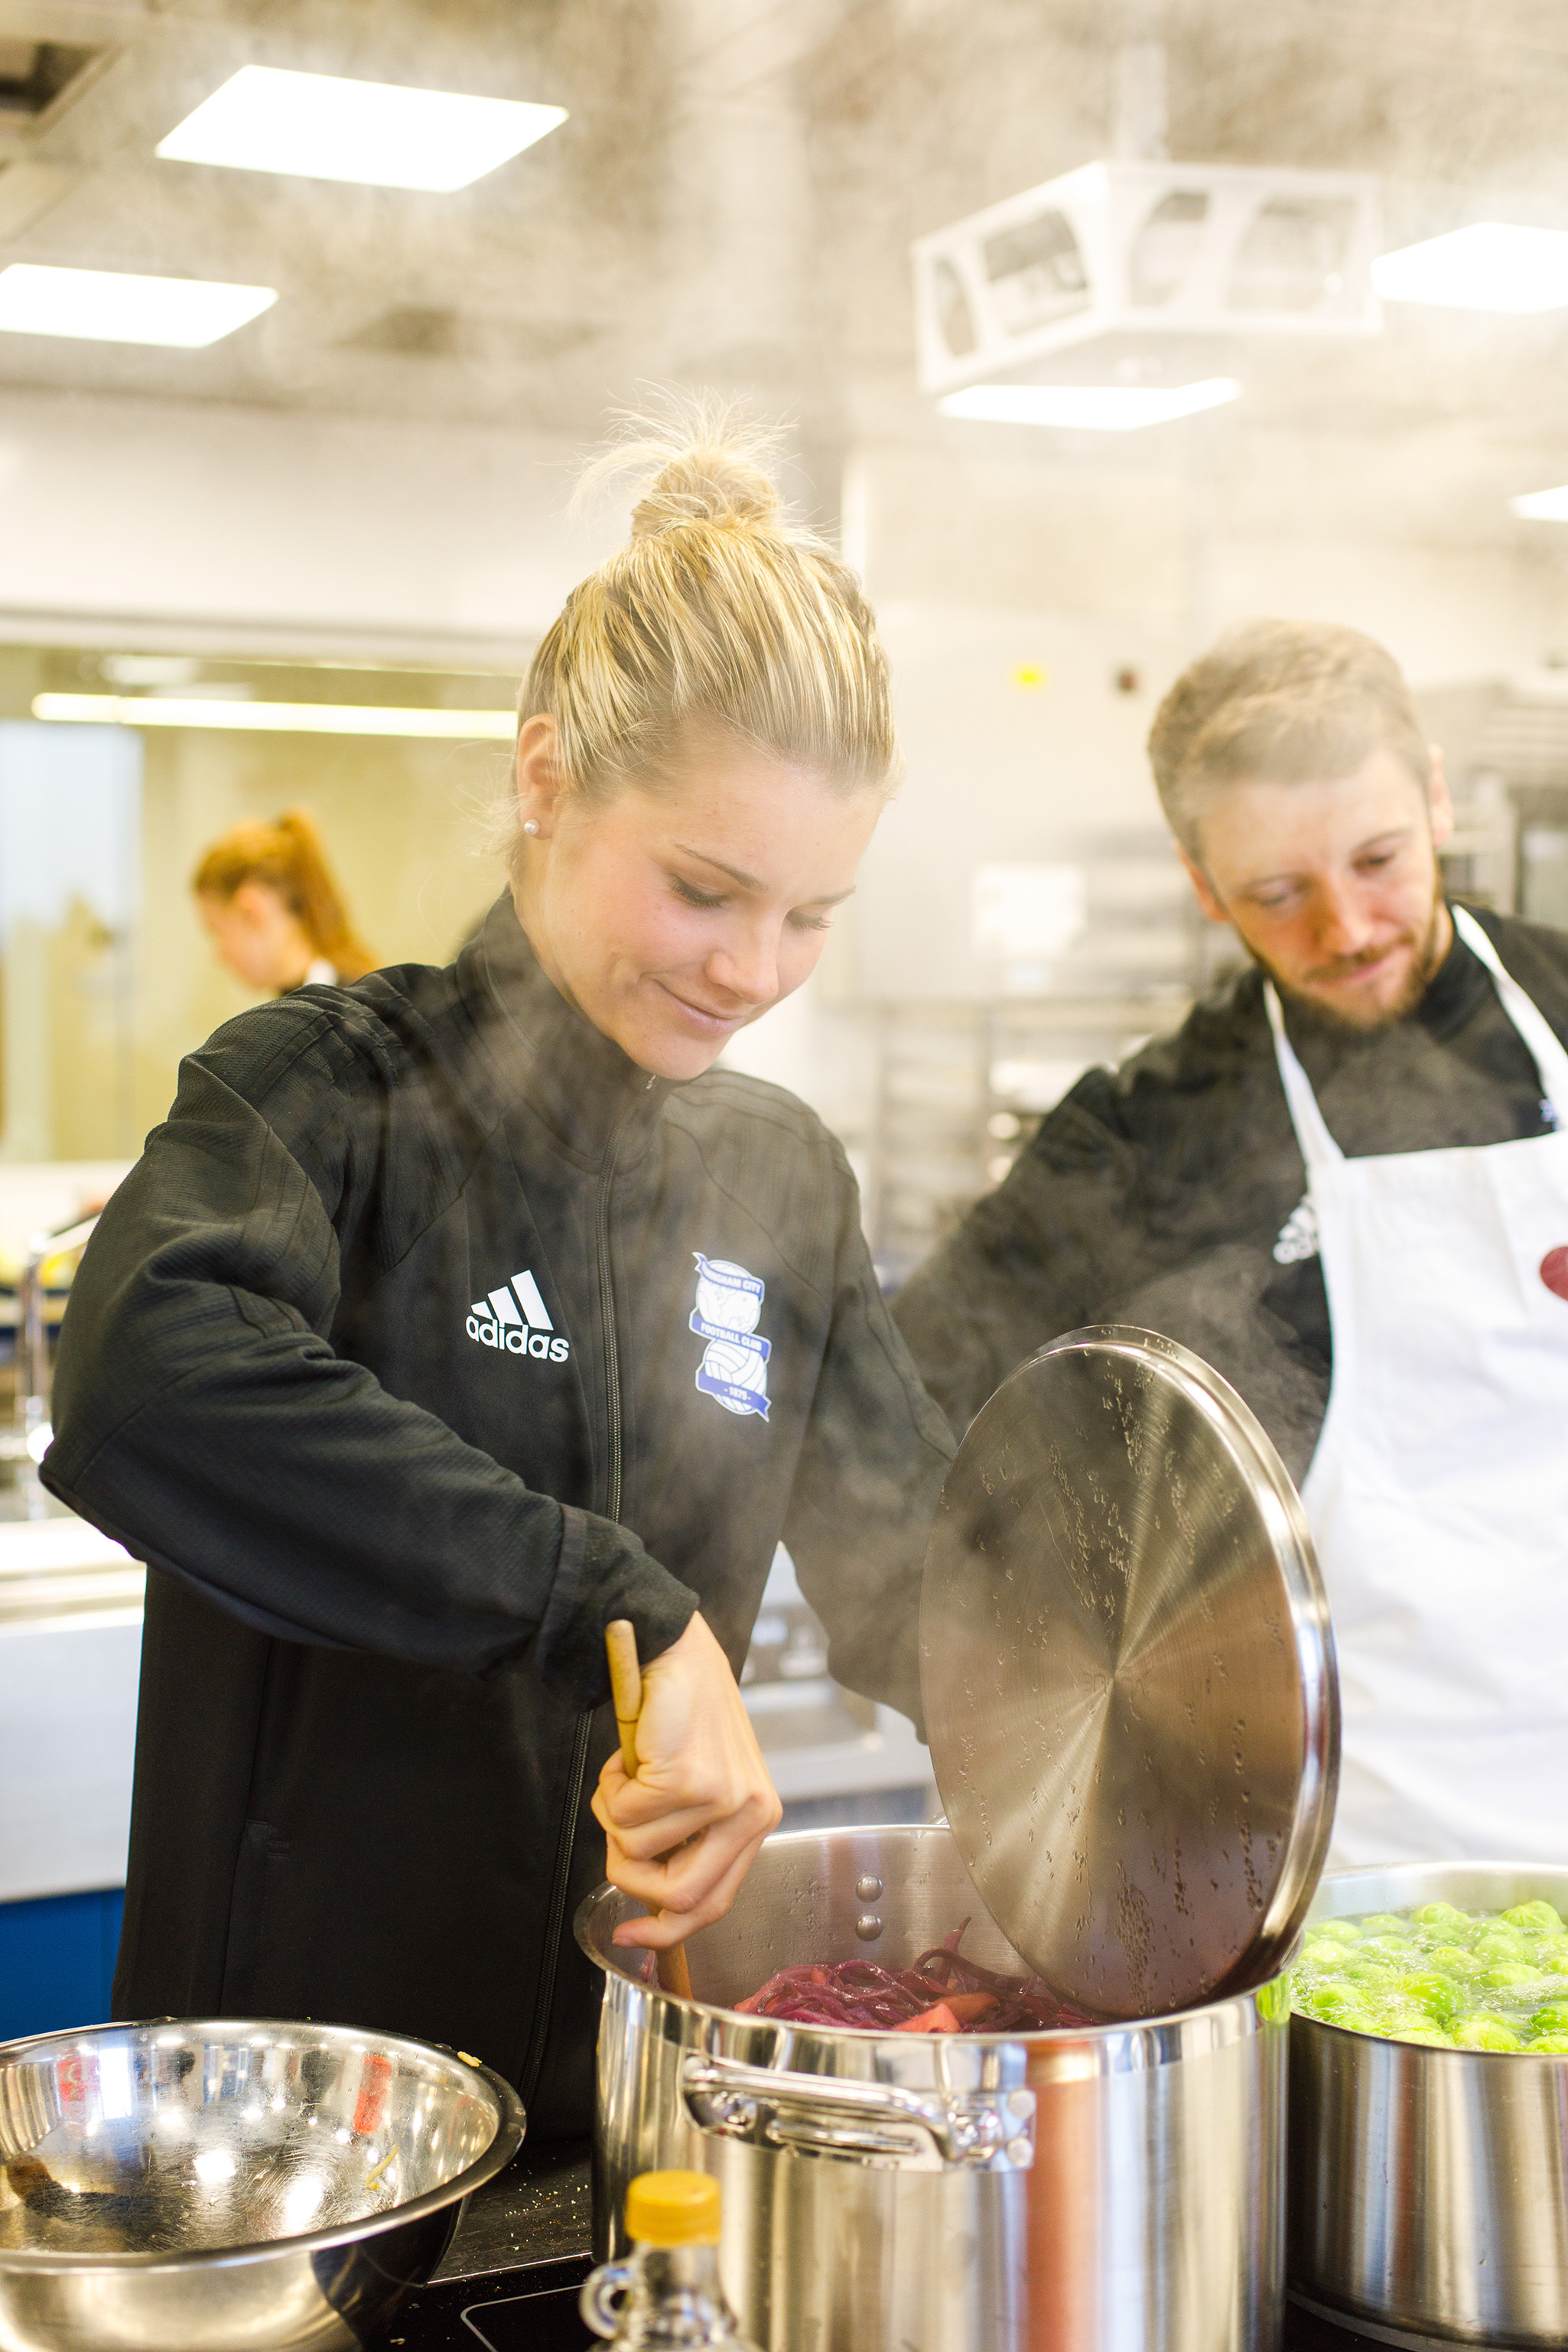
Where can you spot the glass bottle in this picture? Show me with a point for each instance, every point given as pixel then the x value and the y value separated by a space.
pixel 668 2293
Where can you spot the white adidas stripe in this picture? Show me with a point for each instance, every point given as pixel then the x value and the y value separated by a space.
pixel 504 1308
pixel 534 1313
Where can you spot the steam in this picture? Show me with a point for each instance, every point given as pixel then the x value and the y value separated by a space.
pixel 1214 1306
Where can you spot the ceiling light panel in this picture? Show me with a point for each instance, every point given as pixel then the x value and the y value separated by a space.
pixel 376 133
pixel 1543 506
pixel 1088 407
pixel 276 718
pixel 105 306
pixel 1489 267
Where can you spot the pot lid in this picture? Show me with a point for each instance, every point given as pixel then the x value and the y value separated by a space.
pixel 1129 1677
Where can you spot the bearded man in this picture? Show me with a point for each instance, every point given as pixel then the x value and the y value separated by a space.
pixel 1344 1181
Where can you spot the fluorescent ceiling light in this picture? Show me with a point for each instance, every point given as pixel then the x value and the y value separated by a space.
pixel 274 717
pixel 1490 267
pixel 1088 407
pixel 111 306
pixel 1543 506
pixel 325 128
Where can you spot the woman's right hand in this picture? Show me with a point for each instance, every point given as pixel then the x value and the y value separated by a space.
pixel 683 1834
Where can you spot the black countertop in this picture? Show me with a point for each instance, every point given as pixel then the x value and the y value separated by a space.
pixel 510 2278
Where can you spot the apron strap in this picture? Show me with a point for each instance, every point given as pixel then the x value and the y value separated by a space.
pixel 1317 1146
pixel 1538 1037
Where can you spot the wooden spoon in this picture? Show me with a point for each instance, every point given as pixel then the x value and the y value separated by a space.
pixel 625 1685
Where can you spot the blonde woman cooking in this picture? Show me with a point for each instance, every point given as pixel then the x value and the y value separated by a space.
pixel 455 1313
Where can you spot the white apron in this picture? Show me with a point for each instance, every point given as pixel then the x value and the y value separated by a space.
pixel 1438 1493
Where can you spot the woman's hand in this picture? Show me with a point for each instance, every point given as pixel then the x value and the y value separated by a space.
pixel 702 1789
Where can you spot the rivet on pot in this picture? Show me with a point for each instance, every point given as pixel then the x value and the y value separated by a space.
pixel 868 1889
pixel 868 1926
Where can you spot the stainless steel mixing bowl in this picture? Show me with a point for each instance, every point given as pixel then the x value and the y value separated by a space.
pixel 228 2183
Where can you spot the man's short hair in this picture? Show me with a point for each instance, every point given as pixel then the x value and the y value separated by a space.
pixel 1279 702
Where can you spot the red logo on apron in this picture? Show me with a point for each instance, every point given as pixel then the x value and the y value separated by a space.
pixel 1554 1271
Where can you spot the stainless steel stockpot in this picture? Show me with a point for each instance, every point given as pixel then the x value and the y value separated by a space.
pixel 1428 2189
pixel 1115 2190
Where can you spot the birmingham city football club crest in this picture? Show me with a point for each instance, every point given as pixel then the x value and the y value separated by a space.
pixel 734 1367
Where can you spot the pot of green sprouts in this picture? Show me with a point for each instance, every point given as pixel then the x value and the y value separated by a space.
pixel 1428 2112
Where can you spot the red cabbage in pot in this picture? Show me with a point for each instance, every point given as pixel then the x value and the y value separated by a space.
pixel 942 1992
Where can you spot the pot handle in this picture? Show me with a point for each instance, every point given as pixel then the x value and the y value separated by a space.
pixel 861 2122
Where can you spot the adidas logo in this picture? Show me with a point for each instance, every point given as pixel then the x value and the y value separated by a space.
pixel 515 1318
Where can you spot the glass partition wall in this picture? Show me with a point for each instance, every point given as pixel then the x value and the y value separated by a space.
pixel 70 905
pixel 107 975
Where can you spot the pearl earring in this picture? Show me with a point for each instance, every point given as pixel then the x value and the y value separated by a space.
pixel 530 825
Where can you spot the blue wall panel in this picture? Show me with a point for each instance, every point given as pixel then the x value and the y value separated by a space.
pixel 57 1960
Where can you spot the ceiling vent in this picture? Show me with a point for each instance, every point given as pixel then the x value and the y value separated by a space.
pixel 414 330
pixel 38 76
pixel 1149 250
pixel 420 330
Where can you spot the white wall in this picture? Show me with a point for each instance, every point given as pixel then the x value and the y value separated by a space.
pixel 252 524
pixel 999 769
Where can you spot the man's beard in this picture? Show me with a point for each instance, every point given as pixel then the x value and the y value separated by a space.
pixel 1430 950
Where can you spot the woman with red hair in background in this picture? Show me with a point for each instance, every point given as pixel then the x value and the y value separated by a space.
pixel 273 910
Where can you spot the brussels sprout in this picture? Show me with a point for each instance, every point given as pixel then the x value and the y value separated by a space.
pixel 1338 1931
pixel 1338 2005
pixel 1392 2018
pixel 1485 2032
pixel 1434 2037
pixel 1372 1976
pixel 1316 1948
pixel 1439 1914
pixel 1539 1915
pixel 1435 1994
pixel 1386 1923
pixel 1551 2017
pixel 1550 2045
pixel 1505 1973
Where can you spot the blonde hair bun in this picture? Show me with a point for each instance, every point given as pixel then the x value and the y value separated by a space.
pixel 695 462
pixel 714 486
pixel 718 609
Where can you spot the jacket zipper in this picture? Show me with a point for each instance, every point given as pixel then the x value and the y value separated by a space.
pixel 579 1765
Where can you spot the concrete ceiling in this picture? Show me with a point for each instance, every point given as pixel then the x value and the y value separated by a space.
pixel 733 196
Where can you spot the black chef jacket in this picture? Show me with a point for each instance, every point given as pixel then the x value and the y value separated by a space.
pixel 1169 1194
pixel 382 1357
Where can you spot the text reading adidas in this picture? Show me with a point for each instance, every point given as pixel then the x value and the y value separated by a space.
pixel 515 1318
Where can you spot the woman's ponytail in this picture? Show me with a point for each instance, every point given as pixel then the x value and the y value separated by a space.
pixel 288 856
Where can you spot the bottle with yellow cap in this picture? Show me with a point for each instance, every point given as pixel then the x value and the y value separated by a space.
pixel 668 2293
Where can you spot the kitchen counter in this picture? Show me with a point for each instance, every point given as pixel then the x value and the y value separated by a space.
pixel 510 2278
pixel 509 2281
pixel 70 1647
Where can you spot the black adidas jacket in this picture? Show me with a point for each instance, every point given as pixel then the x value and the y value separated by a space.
pixel 1167 1193
pixel 384 1359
